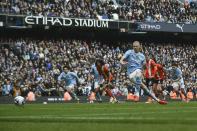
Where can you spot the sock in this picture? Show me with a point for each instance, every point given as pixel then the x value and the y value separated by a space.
pixel 137 85
pixel 109 93
pixel 148 92
pixel 98 95
pixel 137 91
pixel 137 94
pixel 162 93
pixel 72 93
pixel 142 92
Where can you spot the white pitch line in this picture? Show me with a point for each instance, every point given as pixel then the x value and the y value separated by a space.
pixel 98 115
pixel 116 114
pixel 116 108
pixel 93 118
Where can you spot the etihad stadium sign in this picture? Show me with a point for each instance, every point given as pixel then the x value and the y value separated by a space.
pixel 23 22
pixel 40 20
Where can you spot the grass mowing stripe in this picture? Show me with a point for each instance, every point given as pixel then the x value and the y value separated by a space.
pixel 147 120
pixel 117 108
pixel 16 126
pixel 113 114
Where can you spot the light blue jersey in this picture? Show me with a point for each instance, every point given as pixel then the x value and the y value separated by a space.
pixel 69 78
pixel 95 73
pixel 176 74
pixel 135 60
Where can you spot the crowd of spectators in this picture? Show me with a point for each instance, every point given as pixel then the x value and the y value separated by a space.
pixel 169 11
pixel 36 64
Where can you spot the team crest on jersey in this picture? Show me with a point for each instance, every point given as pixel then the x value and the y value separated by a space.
pixel 137 57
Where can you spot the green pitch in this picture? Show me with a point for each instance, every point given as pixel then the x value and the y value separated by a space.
pixel 101 117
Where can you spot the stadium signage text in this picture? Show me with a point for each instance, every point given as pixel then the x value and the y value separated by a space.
pixel 151 27
pixel 40 20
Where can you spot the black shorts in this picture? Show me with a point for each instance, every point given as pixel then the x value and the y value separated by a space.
pixel 149 82
pixel 160 81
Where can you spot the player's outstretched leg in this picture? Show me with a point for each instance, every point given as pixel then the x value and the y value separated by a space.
pixel 112 97
pixel 109 93
pixel 73 95
pixel 137 89
pixel 148 92
pixel 98 95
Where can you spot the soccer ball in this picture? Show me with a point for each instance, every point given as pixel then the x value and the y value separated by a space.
pixel 19 100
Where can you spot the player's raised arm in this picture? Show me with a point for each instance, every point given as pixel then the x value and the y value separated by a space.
pixel 123 62
pixel 61 76
pixel 123 59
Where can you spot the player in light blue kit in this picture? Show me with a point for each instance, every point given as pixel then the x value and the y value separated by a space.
pixel 70 79
pixel 177 81
pixel 97 80
pixel 135 60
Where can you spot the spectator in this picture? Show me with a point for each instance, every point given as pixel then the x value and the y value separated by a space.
pixel 171 11
pixel 6 88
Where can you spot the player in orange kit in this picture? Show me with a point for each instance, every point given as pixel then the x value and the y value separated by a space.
pixel 150 73
pixel 158 80
pixel 108 78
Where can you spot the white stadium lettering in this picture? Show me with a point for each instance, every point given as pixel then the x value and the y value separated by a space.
pixel 84 23
pixel 66 21
pixel 50 19
pixel 105 24
pixel 29 20
pixel 56 21
pixel 76 22
pixel 147 26
pixel 90 23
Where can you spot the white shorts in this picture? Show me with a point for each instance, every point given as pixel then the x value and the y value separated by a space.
pixel 96 85
pixel 133 75
pixel 70 86
pixel 179 83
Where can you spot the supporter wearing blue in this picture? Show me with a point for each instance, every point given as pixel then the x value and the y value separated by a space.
pixel 134 60
pixel 6 88
pixel 177 81
pixel 70 79
pixel 49 65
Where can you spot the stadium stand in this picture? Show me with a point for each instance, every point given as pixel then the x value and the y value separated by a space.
pixel 38 63
pixel 169 11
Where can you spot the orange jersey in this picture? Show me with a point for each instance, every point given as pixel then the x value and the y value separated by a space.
pixel 150 71
pixel 159 73
pixel 104 72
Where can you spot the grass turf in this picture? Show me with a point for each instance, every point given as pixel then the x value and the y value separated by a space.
pixel 102 117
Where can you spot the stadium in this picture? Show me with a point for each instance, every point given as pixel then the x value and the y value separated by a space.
pixel 98 65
